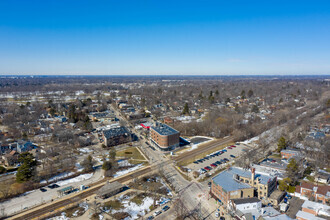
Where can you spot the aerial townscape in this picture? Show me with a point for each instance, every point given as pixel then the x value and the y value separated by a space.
pixel 165 110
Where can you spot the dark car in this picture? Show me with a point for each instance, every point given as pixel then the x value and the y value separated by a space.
pixel 218 162
pixel 195 162
pixel 225 159
pixel 165 208
pixel 150 218
pixel 232 156
pixel 53 186
pixel 224 150
pixel 43 190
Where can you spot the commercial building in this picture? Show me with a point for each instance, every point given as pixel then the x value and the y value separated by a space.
pixel 116 136
pixel 289 153
pixel 110 189
pixel 236 183
pixel 164 137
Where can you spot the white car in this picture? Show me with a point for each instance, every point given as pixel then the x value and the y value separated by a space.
pixel 217 214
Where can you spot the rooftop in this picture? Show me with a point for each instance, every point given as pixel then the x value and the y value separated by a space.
pixel 226 180
pixel 247 174
pixel 109 188
pixel 164 129
pixel 114 132
pixel 306 215
pixel 245 200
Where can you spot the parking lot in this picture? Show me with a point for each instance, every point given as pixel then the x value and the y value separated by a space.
pixel 222 157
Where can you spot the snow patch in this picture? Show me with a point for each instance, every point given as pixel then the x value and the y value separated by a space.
pixel 123 172
pixel 79 178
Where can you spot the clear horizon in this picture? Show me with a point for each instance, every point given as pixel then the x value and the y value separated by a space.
pixel 164 38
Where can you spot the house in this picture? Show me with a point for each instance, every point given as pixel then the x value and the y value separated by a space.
pixel 116 136
pixel 25 146
pixel 164 137
pixel 11 159
pixel 245 204
pixel 313 210
pixel 322 177
pixel 276 197
pixel 320 193
pixel 236 183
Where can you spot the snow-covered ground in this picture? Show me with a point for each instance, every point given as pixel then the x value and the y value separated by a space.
pixel 123 172
pixel 249 141
pixel 79 178
pixel 133 209
pixel 85 150
pixel 58 177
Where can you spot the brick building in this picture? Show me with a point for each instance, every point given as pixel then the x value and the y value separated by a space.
pixel 164 136
pixel 116 136
pixel 236 183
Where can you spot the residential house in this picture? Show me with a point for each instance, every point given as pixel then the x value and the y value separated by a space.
pixel 320 193
pixel 289 153
pixel 313 210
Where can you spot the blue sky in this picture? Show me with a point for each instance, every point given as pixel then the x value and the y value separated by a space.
pixel 164 37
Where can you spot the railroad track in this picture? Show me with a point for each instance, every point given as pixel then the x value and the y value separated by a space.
pixel 54 207
pixel 41 212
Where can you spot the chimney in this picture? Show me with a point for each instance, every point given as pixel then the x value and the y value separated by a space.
pixel 253 171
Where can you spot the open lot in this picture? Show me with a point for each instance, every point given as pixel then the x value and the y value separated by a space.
pixel 236 151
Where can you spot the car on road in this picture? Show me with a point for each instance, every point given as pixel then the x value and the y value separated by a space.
pixel 157 213
pixel 232 156
pixel 43 190
pixel 165 208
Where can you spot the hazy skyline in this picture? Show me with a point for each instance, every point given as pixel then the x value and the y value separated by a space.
pixel 164 37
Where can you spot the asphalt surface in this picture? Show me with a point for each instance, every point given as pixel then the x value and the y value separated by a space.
pixel 237 151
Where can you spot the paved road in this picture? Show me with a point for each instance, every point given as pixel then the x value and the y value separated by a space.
pixel 36 197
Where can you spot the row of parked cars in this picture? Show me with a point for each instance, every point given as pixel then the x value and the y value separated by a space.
pixel 164 209
pixel 213 165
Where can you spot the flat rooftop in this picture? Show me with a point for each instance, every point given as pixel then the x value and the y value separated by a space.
pixel 164 129
pixel 226 180
pixel 114 132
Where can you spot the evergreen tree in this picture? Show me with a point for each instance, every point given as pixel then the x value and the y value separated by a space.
pixel 217 92
pixel 27 169
pixel 282 144
pixel 185 109
pixel 250 93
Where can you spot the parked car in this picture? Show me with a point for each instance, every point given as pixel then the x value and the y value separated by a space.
pixel 213 165
pixel 53 186
pixel 232 156
pixel 224 150
pixel 232 146
pixel 150 217
pixel 196 162
pixel 225 159
pixel 202 171
pixel 217 214
pixel 43 190
pixel 165 208
pixel 218 162
pixel 207 168
pixel 157 213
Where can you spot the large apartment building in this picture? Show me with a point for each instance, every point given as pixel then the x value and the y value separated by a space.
pixel 164 137
pixel 236 183
pixel 116 136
